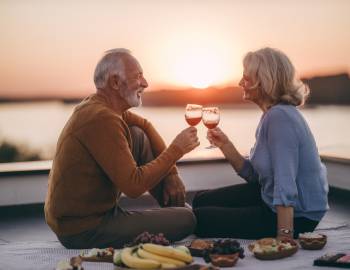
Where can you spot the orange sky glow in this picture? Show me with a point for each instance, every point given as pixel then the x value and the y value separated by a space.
pixel 50 48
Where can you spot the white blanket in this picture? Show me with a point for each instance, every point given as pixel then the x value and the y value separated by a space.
pixel 45 255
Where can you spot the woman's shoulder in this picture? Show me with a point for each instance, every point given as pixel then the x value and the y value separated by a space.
pixel 285 118
pixel 282 112
pixel 282 107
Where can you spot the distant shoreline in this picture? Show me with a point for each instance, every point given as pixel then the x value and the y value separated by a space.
pixel 241 105
pixel 325 90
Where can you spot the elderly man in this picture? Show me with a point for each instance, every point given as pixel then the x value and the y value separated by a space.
pixel 103 151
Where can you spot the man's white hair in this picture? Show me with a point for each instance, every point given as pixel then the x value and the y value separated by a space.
pixel 110 64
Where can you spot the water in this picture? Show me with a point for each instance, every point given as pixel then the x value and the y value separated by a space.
pixel 37 126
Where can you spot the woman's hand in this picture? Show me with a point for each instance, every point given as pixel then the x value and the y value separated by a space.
pixel 217 137
pixel 284 237
pixel 285 217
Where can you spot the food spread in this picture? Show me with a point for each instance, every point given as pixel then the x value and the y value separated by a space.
pixel 153 251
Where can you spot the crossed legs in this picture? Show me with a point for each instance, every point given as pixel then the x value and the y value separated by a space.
pixel 239 212
pixel 119 226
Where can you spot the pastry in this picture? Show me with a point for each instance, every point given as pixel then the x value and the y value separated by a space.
pixel 312 241
pixel 198 246
pixel 272 249
pixel 98 255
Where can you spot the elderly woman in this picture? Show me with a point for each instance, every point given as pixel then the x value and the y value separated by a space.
pixel 286 189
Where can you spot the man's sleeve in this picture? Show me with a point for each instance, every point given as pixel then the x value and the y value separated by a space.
pixel 282 140
pixel 157 143
pixel 106 139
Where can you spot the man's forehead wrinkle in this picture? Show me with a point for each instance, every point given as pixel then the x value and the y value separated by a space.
pixel 131 64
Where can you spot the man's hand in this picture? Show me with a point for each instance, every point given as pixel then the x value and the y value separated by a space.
pixel 174 191
pixel 187 140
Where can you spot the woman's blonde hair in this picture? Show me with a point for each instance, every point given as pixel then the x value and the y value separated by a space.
pixel 273 75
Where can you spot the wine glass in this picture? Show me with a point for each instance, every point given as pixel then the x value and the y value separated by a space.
pixel 193 114
pixel 211 118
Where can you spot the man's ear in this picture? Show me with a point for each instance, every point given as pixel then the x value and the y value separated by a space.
pixel 113 82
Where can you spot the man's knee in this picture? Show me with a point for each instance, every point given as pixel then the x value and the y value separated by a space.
pixel 135 131
pixel 138 135
pixel 141 146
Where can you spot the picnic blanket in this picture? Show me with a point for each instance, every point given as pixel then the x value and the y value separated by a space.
pixel 44 255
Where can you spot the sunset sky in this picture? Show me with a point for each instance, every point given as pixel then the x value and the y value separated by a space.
pixel 50 48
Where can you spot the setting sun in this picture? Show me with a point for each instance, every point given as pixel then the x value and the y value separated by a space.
pixel 201 62
pixel 197 68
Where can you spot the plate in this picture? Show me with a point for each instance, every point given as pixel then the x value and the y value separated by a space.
pixel 313 243
pixel 274 255
pixel 225 260
pixel 199 252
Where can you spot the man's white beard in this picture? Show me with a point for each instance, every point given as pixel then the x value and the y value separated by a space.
pixel 132 99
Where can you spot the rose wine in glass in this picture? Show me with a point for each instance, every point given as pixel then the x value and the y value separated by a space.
pixel 193 114
pixel 211 118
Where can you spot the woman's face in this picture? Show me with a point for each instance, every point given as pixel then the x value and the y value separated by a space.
pixel 249 93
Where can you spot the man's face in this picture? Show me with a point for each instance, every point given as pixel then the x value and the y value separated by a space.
pixel 133 85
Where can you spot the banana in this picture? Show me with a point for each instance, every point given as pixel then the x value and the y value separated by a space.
pixel 168 252
pixel 117 258
pixel 135 262
pixel 183 249
pixel 168 265
pixel 164 260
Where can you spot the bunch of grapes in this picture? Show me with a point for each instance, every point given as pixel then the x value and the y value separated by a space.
pixel 147 237
pixel 222 247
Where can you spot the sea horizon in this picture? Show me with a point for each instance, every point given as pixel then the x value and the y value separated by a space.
pixel 36 125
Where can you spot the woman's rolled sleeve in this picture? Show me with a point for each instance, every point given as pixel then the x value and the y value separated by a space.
pixel 284 193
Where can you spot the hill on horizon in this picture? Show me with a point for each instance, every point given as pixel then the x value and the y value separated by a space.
pixel 331 89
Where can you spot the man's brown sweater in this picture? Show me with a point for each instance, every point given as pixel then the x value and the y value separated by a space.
pixel 93 165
